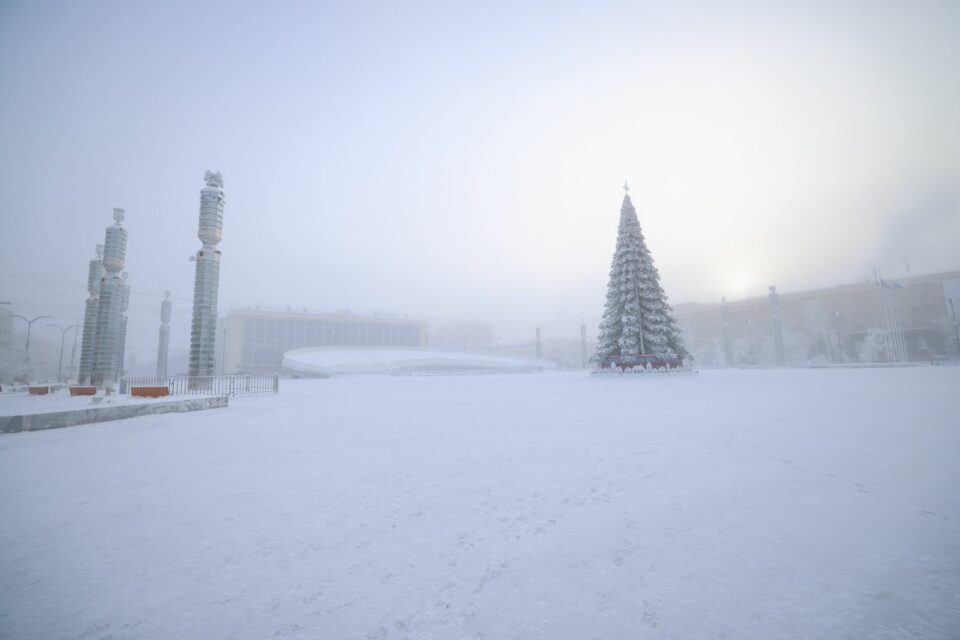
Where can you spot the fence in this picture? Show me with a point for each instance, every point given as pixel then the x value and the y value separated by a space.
pixel 207 385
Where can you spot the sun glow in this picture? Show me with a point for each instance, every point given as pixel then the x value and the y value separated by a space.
pixel 739 283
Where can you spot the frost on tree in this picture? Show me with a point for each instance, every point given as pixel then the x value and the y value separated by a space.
pixel 636 318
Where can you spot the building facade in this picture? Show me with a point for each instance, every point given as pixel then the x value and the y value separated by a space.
pixel 907 318
pixel 255 341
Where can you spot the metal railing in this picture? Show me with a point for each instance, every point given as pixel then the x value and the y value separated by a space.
pixel 207 385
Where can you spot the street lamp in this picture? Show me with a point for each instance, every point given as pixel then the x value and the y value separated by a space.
pixel 63 335
pixel 26 354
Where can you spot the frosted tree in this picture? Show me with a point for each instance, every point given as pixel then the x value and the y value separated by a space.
pixel 636 318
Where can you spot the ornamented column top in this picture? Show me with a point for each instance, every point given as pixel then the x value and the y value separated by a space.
pixel 213 179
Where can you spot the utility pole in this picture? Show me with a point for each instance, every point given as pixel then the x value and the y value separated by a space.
pixel 29 327
pixel 63 335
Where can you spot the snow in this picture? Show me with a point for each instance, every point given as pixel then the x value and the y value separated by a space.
pixel 326 362
pixel 22 403
pixel 733 504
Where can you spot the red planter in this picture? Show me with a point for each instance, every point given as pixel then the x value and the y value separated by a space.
pixel 83 391
pixel 149 392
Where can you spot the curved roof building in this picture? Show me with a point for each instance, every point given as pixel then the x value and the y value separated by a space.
pixel 329 362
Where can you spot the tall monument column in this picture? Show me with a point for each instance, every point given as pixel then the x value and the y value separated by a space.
pixel 111 330
pixel 163 348
pixel 203 328
pixel 124 305
pixel 87 344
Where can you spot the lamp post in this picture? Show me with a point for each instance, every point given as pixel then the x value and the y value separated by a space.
pixel 63 335
pixel 26 355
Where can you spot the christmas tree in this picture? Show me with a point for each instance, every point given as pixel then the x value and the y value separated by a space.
pixel 636 318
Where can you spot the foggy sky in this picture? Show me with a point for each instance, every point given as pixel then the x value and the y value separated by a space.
pixel 449 160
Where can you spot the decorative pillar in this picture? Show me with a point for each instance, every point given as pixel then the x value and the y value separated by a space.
pixel 163 348
pixel 203 328
pixel 88 342
pixel 110 336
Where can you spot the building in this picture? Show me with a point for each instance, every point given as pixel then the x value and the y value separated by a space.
pixel 255 340
pixel 462 336
pixel 856 322
pixel 330 362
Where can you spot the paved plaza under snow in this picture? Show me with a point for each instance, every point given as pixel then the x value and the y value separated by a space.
pixel 733 504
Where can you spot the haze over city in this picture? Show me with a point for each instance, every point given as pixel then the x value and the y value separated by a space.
pixel 449 161
pixel 511 320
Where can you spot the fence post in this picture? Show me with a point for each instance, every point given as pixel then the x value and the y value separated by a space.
pixel 276 383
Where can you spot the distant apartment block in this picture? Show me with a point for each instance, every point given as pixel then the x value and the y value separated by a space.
pixel 843 323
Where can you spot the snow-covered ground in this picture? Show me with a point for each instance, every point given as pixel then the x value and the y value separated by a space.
pixel 733 504
pixel 22 403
